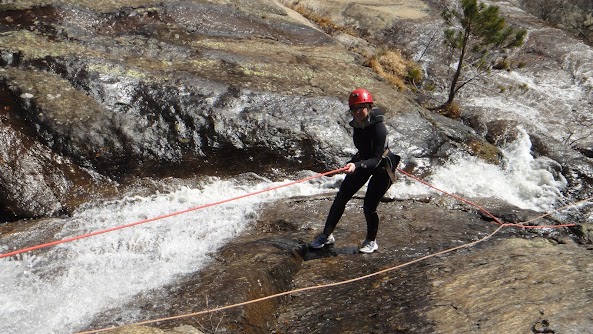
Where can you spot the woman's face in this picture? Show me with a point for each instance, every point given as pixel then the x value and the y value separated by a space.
pixel 359 112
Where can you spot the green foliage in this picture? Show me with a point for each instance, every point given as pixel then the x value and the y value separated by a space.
pixel 474 32
pixel 575 16
pixel 485 150
pixel 482 23
pixel 414 74
pixel 502 64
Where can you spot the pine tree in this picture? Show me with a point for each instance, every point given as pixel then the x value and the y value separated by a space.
pixel 473 33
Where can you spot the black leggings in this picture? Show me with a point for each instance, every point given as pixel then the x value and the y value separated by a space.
pixel 377 187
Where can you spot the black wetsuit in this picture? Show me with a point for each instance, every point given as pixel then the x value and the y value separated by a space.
pixel 370 138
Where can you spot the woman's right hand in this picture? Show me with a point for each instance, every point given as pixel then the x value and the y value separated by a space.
pixel 350 168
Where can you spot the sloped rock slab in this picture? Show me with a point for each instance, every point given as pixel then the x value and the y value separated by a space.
pixel 513 282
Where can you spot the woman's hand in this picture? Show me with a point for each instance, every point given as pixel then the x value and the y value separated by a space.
pixel 350 168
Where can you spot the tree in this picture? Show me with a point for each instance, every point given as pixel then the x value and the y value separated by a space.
pixel 572 15
pixel 473 33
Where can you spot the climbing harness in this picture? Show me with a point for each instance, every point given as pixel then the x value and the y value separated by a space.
pixel 389 161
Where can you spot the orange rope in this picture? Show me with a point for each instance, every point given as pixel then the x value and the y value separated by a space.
pixel 57 242
pixel 329 285
pixel 522 225
pixel 315 287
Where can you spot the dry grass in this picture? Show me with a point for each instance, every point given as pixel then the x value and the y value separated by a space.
pixel 451 110
pixel 389 64
pixel 395 69
pixel 323 22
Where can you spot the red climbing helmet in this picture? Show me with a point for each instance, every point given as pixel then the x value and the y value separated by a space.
pixel 359 95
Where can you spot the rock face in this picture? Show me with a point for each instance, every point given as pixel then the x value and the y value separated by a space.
pixel 96 94
pixel 37 181
pixel 142 88
pixel 516 281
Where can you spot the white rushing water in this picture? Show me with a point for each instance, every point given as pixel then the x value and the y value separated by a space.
pixel 524 181
pixel 61 289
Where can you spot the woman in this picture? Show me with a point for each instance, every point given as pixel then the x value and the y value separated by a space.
pixel 370 138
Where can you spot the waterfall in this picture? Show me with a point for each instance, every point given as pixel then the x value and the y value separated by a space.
pixel 61 289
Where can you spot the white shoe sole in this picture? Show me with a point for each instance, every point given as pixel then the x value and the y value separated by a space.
pixel 367 250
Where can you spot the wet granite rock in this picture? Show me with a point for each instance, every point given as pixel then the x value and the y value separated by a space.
pixel 145 88
pixel 585 232
pixel 136 329
pixel 502 132
pixel 35 181
pixel 513 282
pixel 97 91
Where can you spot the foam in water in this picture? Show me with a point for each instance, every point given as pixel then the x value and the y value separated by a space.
pixel 60 290
pixel 524 181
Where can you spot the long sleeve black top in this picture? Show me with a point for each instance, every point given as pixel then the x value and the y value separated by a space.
pixel 370 138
